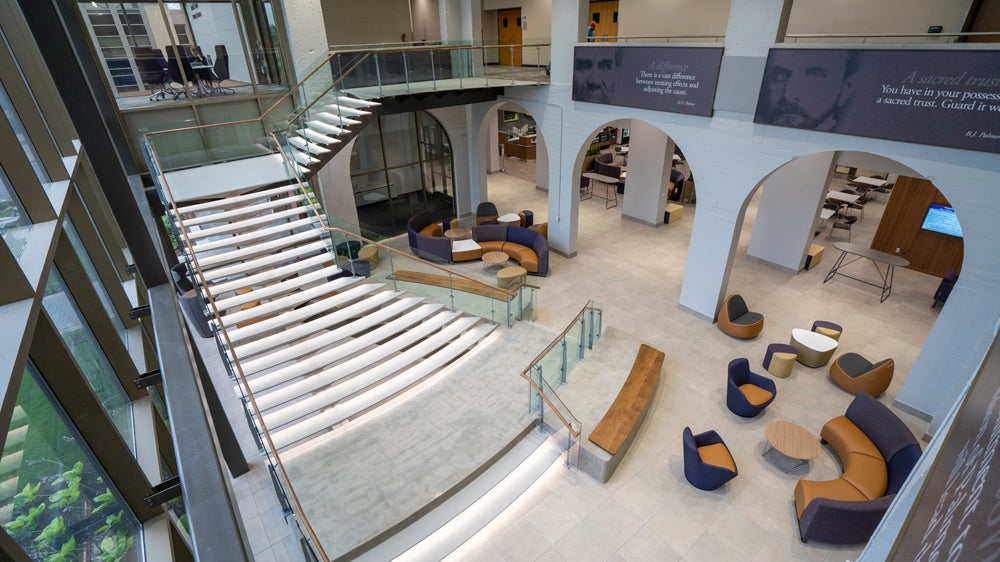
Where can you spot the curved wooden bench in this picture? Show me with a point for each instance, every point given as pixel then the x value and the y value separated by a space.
pixel 615 430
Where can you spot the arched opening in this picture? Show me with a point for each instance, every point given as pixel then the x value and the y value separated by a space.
pixel 402 164
pixel 854 211
pixel 516 162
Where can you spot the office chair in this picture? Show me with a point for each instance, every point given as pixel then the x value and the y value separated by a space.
pixel 221 70
pixel 174 71
pixel 153 71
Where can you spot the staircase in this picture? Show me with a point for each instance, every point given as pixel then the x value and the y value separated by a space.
pixel 315 134
pixel 318 345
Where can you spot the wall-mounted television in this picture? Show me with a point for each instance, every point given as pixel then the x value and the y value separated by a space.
pixel 942 219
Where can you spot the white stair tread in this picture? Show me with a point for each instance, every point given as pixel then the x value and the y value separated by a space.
pixel 237 200
pixel 303 158
pixel 243 224
pixel 317 136
pixel 264 262
pixel 226 216
pixel 269 275
pixel 357 102
pixel 279 288
pixel 247 252
pixel 305 406
pixel 288 301
pixel 338 109
pixel 325 128
pixel 10 463
pixel 334 119
pixel 353 406
pixel 306 346
pixel 248 237
pixel 15 438
pixel 331 375
pixel 308 311
pixel 310 147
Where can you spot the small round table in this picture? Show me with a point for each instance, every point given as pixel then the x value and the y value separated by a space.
pixel 815 350
pixel 510 219
pixel 494 259
pixel 792 440
pixel 508 275
pixel 458 233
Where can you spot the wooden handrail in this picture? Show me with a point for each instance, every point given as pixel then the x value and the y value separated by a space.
pixel 568 425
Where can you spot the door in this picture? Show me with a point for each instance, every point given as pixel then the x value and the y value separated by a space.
pixel 605 13
pixel 509 33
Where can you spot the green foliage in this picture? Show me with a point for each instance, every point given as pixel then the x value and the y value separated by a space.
pixel 594 150
pixel 24 524
pixel 66 553
pixel 52 531
pixel 115 547
pixel 27 494
pixel 104 500
pixel 111 521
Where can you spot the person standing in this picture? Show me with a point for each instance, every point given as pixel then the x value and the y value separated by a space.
pixel 591 30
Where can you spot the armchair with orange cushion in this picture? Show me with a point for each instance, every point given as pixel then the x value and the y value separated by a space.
pixel 708 463
pixel 486 212
pixel 748 393
pixel 855 374
pixel 737 320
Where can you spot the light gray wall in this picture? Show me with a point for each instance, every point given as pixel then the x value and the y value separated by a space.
pixel 372 21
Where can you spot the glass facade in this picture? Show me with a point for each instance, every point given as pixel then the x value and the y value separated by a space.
pixel 153 52
pixel 57 503
pixel 94 278
pixel 14 222
pixel 22 135
pixel 89 355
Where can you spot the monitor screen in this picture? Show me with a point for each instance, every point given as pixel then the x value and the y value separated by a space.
pixel 942 219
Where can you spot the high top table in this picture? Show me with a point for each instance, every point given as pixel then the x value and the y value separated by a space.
pixel 891 261
pixel 610 188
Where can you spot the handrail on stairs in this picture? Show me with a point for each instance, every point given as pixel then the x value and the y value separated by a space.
pixel 366 53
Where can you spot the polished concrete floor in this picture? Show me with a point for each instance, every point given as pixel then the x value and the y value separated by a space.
pixel 648 511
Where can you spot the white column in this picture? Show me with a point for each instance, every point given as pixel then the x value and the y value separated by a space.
pixel 493 161
pixel 755 25
pixel 306 33
pixel 792 198
pixel 650 158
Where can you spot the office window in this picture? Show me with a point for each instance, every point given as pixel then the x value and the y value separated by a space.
pixel 59 504
pixel 95 280
pixel 14 222
pixel 22 135
pixel 89 355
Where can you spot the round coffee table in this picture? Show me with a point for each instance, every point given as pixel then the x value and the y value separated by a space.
pixel 494 259
pixel 815 350
pixel 792 440
pixel 458 233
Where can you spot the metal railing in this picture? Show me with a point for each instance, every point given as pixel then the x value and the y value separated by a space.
pixel 559 356
pixel 881 37
pixel 657 38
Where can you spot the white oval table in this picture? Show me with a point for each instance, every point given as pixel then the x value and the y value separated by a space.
pixel 815 350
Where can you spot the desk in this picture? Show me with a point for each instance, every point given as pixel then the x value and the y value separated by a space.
pixel 873 182
pixel 610 189
pixel 842 197
pixel 877 257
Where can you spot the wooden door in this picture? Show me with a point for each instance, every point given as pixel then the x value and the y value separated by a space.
pixel 509 33
pixel 986 17
pixel 605 13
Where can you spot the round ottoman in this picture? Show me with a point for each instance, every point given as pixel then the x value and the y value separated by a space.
pixel 779 359
pixel 508 275
pixel 828 329
pixel 369 252
pixel 815 350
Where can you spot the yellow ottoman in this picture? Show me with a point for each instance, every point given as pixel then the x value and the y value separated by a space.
pixel 779 359
pixel 673 213
pixel 369 252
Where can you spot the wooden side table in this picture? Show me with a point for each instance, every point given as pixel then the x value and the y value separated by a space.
pixel 792 440
pixel 458 233
pixel 508 275
pixel 494 259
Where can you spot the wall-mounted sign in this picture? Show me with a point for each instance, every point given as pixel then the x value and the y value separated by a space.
pixel 943 98
pixel 675 79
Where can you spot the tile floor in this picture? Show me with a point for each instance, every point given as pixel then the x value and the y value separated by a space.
pixel 648 511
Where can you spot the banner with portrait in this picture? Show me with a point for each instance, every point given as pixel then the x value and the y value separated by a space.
pixel 944 98
pixel 674 79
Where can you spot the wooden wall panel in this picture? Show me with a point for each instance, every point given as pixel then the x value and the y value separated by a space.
pixel 929 252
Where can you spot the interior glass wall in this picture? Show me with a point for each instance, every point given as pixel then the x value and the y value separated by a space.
pixel 14 222
pixel 149 50
pixel 22 135
pixel 402 164
pixel 55 500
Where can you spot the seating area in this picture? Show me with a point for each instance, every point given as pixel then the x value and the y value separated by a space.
pixel 747 393
pixel 527 246
pixel 877 452
pixel 708 463
pixel 855 374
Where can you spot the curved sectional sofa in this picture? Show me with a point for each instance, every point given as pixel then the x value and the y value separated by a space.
pixel 878 452
pixel 527 246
